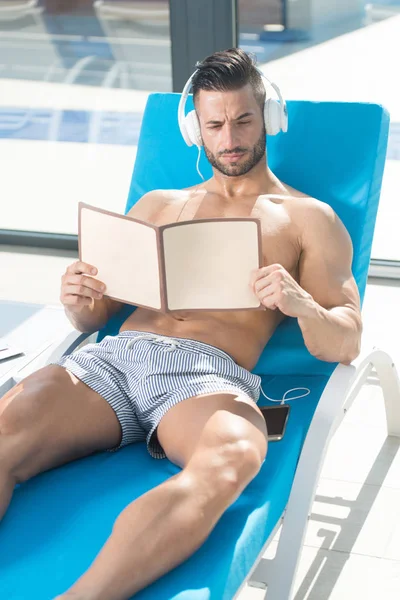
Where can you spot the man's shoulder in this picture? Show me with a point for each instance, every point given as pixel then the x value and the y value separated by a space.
pixel 172 195
pixel 313 219
pixel 308 207
pixel 169 195
pixel 155 200
pixel 317 222
pixel 299 203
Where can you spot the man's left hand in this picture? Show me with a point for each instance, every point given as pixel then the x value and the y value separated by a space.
pixel 276 288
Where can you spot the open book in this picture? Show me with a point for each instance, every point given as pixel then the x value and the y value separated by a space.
pixel 203 264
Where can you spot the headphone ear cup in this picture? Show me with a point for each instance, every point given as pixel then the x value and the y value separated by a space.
pixel 183 128
pixel 272 117
pixel 192 126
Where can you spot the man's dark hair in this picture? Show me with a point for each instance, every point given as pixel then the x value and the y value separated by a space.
pixel 228 70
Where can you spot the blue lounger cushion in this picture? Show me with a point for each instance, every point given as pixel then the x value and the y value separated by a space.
pixel 58 521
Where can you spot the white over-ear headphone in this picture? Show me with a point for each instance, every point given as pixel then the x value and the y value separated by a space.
pixel 275 115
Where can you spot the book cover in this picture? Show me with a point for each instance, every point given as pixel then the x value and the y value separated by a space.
pixel 203 264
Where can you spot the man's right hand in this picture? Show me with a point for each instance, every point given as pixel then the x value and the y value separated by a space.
pixel 79 287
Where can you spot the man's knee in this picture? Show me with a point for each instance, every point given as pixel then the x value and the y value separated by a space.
pixel 242 434
pixel 215 479
pixel 236 464
pixel 230 453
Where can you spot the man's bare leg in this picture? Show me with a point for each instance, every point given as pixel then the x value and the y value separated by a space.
pixel 169 523
pixel 48 419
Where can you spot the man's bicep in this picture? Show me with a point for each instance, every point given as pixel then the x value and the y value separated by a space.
pixel 326 258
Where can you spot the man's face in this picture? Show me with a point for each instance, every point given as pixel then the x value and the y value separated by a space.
pixel 232 128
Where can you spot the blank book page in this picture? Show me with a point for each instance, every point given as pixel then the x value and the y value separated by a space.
pixel 125 254
pixel 208 265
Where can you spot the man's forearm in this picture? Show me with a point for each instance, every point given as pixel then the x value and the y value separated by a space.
pixel 91 318
pixel 333 335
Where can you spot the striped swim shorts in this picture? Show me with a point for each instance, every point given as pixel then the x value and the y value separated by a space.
pixel 142 375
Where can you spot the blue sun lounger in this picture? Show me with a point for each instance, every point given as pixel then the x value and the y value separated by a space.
pixel 58 521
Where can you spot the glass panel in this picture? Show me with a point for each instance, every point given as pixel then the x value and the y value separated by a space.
pixel 261 15
pixel 340 50
pixel 74 79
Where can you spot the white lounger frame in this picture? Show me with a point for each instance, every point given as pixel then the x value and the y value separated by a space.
pixel 277 575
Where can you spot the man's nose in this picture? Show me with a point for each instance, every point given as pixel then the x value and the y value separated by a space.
pixel 230 140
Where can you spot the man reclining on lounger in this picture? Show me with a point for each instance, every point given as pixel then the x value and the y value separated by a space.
pixel 183 381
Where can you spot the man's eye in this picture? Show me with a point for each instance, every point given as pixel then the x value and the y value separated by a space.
pixel 214 127
pixel 244 122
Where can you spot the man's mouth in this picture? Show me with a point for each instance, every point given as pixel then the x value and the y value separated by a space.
pixel 232 157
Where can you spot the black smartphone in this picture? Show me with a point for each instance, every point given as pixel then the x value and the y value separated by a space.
pixel 276 418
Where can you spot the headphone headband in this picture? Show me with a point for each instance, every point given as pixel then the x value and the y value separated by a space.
pixel 181 108
pixel 277 90
pixel 190 136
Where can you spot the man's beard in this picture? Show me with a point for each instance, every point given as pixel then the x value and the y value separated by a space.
pixel 237 169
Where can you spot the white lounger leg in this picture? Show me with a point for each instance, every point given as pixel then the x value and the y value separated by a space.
pixel 390 384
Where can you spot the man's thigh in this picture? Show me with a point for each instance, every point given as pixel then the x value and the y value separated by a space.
pixel 182 428
pixel 51 417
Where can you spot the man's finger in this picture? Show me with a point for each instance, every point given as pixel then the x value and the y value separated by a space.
pixel 79 267
pixel 264 271
pixel 267 292
pixel 272 278
pixel 270 301
pixel 262 284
